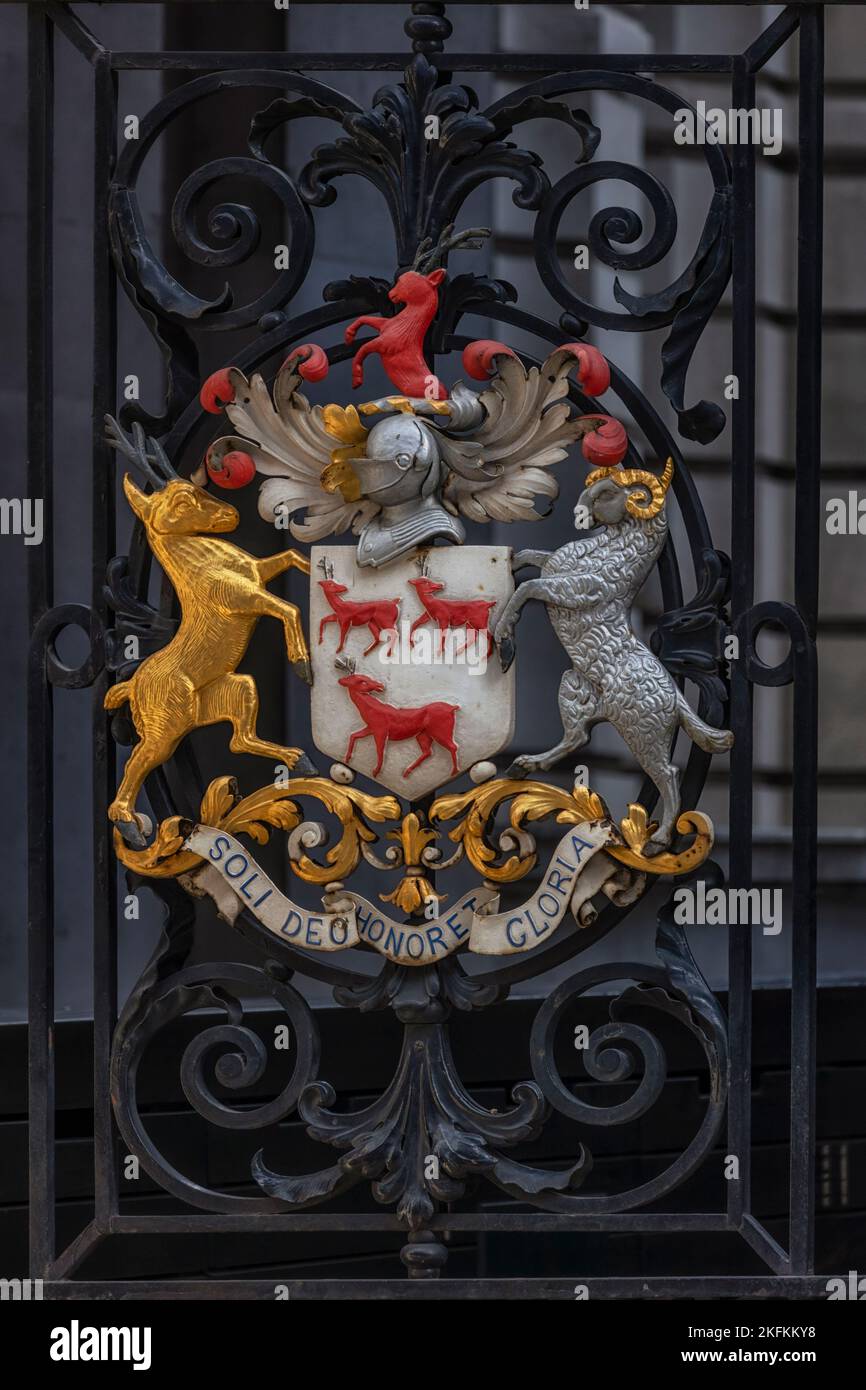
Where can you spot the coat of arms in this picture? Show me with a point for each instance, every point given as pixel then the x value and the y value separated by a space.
pixel 412 636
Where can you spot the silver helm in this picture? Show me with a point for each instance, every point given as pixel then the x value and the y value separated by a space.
pixel 401 456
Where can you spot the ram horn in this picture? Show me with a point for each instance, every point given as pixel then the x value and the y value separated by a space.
pixel 631 477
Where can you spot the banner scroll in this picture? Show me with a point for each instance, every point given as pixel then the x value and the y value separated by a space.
pixel 575 872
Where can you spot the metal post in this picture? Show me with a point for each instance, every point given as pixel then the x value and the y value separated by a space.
pixel 742 594
pixel 104 889
pixel 804 810
pixel 40 809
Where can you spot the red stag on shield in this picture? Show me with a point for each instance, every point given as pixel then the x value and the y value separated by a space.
pixel 427 724
pixel 379 615
pixel 471 614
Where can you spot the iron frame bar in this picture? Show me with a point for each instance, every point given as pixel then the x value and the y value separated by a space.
pixel 801 17
pixel 742 596
pixel 440 1290
pixel 40 806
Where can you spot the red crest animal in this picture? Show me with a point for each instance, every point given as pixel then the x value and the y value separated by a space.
pixel 400 343
pixel 471 614
pixel 427 724
pixel 379 616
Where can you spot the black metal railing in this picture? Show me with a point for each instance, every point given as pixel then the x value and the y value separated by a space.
pixel 380 144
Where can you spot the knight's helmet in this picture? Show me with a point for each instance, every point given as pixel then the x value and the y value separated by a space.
pixel 402 471
pixel 402 461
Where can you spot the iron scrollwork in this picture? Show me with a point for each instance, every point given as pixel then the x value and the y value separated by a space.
pixel 424 1138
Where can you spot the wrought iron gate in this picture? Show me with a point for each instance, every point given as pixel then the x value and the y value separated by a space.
pixel 426 1109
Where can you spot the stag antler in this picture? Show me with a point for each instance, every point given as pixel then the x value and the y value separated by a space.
pixel 428 256
pixel 345 663
pixel 144 453
pixel 421 560
pixel 326 567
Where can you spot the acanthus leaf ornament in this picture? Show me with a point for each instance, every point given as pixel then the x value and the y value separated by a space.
pixel 424 183
pixel 385 1146
pixel 412 475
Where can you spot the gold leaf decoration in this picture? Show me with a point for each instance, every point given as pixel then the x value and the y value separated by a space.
pixel 165 857
pixel 414 890
pixel 532 801
pixel 404 405
pixel 345 424
pixel 412 894
pixel 340 476
pixel 633 852
pixel 636 827
pixel 413 838
pixel 277 808
pixel 269 806
pixel 218 800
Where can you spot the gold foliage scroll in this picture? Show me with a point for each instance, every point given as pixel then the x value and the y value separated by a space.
pixel 277 808
pixel 531 801
pixel 534 801
pixel 270 806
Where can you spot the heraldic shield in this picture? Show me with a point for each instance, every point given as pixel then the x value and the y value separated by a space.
pixel 405 689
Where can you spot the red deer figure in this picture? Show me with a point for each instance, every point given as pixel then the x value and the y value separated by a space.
pixel 400 343
pixel 379 615
pixel 473 614
pixel 427 724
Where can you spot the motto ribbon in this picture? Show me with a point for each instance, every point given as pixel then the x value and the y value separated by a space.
pixel 233 879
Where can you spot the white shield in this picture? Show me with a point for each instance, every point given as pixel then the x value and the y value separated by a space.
pixel 445 702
